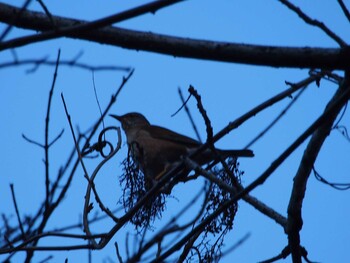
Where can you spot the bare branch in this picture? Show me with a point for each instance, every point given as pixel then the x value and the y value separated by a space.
pixel 189 114
pixel 91 185
pixel 70 63
pixel 344 9
pixel 278 117
pixel 17 212
pixel 32 141
pixel 260 206
pixel 314 22
pixel 235 124
pixel 14 20
pixel 47 12
pixel 84 27
pixel 57 138
pixel 297 57
pixel 47 143
pixel 310 154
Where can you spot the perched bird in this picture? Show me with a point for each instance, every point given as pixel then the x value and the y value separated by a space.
pixel 157 150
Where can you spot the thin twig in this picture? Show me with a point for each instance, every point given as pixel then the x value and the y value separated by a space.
pixel 284 253
pixel 260 206
pixel 194 126
pixel 96 97
pixel 57 138
pixel 314 22
pixel 87 207
pixel 70 63
pixel 203 112
pixel 120 259
pixel 184 102
pixel 278 117
pixel 263 106
pixel 47 12
pixel 17 212
pixel 32 141
pixel 91 185
pixel 47 144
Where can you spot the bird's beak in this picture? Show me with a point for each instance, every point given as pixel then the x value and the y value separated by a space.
pixel 119 118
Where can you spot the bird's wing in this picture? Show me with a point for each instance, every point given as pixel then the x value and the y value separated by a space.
pixel 161 133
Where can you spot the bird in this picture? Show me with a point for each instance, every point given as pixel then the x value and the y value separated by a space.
pixel 156 150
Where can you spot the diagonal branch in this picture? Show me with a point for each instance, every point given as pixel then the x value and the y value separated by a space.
pixel 314 22
pixel 344 9
pixel 295 221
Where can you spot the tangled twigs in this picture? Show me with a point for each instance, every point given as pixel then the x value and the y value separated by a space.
pixel 91 185
pixel 101 144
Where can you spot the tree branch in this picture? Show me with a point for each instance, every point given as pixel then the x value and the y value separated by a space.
pixel 295 221
pixel 295 57
pixel 314 22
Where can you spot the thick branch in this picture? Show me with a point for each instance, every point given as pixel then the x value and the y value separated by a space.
pixel 295 222
pixel 297 57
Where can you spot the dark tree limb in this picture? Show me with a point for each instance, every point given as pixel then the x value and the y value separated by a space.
pixel 295 57
pixel 344 9
pixel 295 221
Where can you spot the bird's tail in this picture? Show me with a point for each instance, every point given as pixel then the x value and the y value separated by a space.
pixel 237 153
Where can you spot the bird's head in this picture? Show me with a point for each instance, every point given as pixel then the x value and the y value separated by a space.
pixel 131 120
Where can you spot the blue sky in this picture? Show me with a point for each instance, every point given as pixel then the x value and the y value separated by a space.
pixel 228 90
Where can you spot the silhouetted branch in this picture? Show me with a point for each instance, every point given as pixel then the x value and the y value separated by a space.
pixel 235 124
pixel 257 204
pixel 46 143
pixel 76 28
pixel 17 212
pixel 70 63
pixel 14 20
pixel 48 14
pixel 204 114
pixel 32 141
pixel 189 114
pixel 320 132
pixel 314 22
pixel 296 57
pixel 337 186
pixel 284 253
pixel 344 9
pixel 277 118
pixel 344 131
pixel 91 185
